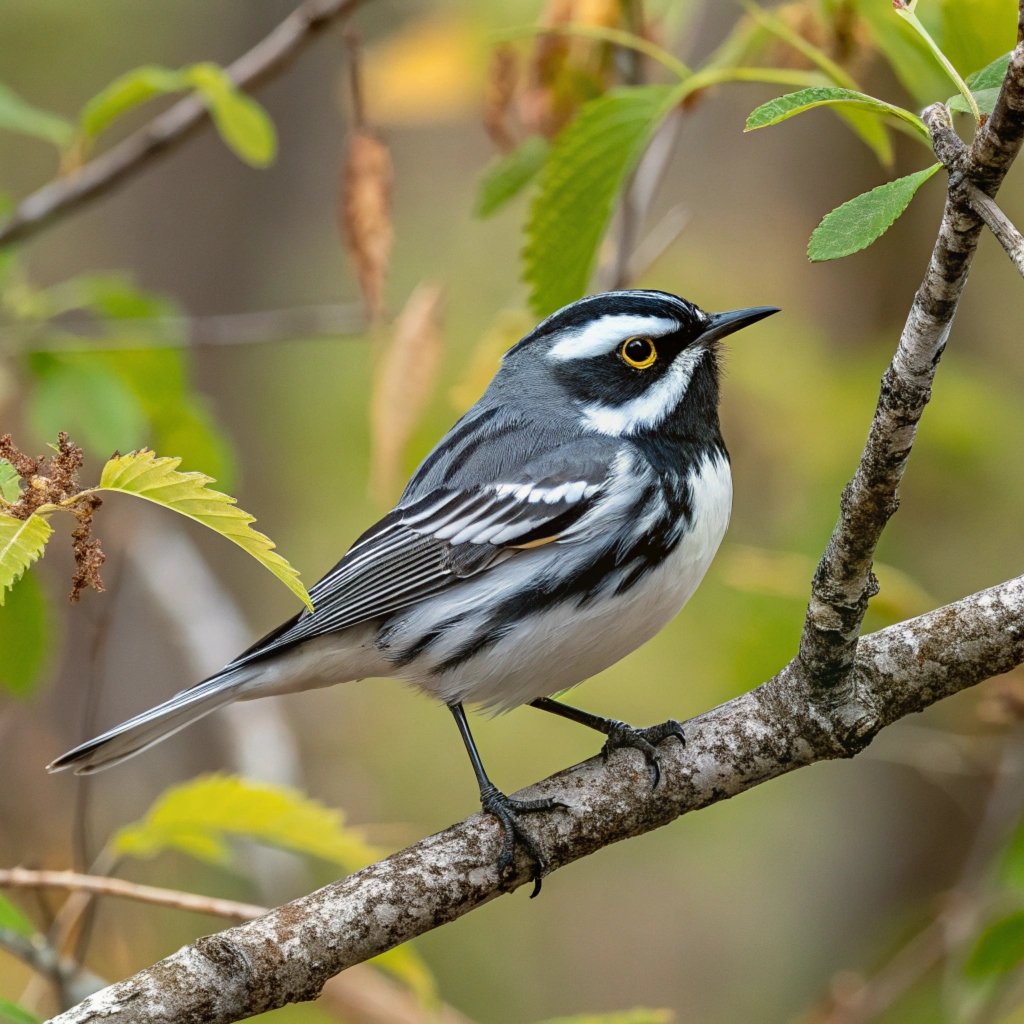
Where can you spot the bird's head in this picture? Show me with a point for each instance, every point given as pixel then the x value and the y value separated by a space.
pixel 629 361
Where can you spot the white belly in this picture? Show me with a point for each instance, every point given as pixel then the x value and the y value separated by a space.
pixel 561 647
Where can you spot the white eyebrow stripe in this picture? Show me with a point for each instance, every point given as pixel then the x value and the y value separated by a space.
pixel 601 336
pixel 649 409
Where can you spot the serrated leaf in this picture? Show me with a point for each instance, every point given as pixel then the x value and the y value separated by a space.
pixel 200 816
pixel 785 107
pixel 25 640
pixel 11 1013
pixel 157 479
pixel 18 116
pixel 21 543
pixel 509 175
pixel 860 221
pixel 10 482
pixel 243 124
pixel 14 920
pixel 579 182
pixel 127 92
pixel 999 948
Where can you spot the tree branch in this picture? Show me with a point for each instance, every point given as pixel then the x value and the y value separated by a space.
pixel 27 878
pixel 290 953
pixel 264 61
pixel 844 583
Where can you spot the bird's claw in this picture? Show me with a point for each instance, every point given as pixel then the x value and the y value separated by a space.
pixel 646 740
pixel 507 811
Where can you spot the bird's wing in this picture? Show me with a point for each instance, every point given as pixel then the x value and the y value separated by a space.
pixel 430 542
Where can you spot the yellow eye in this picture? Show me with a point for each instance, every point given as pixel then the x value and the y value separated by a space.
pixel 639 353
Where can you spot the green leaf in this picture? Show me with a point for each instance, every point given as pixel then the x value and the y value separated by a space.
pixel 157 479
pixel 127 92
pixel 14 920
pixel 21 543
pixel 999 948
pixel 509 175
pixel 25 640
pixel 984 99
pixel 991 75
pixel 10 482
pixel 76 393
pixel 198 818
pixel 18 116
pixel 579 183
pixel 11 1013
pixel 858 222
pixel 243 124
pixel 828 95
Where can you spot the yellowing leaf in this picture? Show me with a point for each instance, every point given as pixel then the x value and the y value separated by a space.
pixel 21 543
pixel 198 818
pixel 157 479
pixel 402 386
pixel 243 124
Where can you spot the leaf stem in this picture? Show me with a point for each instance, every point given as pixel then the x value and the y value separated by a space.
pixel 906 12
pixel 603 34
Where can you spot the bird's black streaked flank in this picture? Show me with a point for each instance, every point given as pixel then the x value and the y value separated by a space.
pixel 555 528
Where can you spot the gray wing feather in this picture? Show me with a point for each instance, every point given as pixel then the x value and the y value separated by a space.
pixel 438 536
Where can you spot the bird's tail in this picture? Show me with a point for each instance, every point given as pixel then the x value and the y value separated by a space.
pixel 141 732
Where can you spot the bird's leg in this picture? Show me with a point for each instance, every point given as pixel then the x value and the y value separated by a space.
pixel 504 808
pixel 619 733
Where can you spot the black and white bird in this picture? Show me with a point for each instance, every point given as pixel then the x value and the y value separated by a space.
pixel 559 525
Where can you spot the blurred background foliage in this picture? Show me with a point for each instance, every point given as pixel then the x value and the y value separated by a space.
pixel 208 309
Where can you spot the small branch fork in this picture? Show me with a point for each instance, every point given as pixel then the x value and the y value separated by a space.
pixel 828 702
pixel 263 62
pixel 843 582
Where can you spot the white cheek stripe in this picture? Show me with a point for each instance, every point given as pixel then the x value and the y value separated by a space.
pixel 602 336
pixel 649 409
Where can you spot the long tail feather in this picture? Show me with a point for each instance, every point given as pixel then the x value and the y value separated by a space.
pixel 141 732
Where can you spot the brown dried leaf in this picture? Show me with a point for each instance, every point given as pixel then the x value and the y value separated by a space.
pixel 365 214
pixel 501 87
pixel 403 384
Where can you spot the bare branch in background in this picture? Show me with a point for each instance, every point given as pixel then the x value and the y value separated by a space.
pixel 263 327
pixel 267 59
pixel 26 878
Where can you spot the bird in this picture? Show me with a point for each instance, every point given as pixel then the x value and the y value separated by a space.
pixel 559 524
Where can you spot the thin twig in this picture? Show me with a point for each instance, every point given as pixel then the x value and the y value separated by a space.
pixel 264 61
pixel 74 333
pixel 1000 225
pixel 75 881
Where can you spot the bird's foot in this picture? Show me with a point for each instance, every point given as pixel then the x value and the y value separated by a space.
pixel 508 811
pixel 646 740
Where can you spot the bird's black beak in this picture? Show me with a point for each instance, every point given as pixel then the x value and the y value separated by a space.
pixel 722 324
